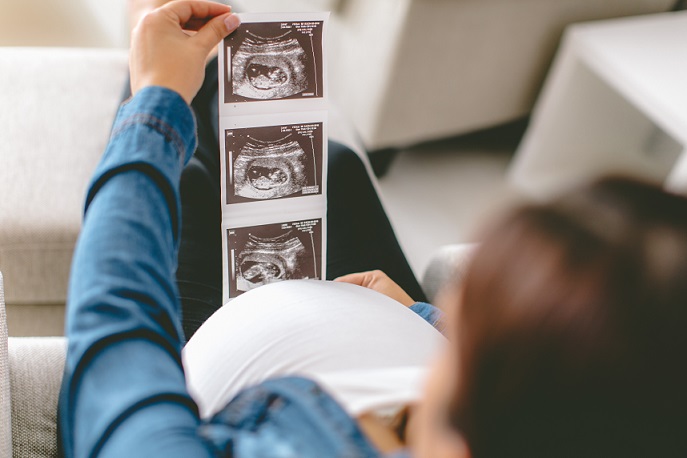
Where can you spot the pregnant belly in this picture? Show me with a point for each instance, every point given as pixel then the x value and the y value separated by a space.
pixel 306 328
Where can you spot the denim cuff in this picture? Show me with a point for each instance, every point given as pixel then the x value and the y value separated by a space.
pixel 430 314
pixel 163 110
pixel 154 131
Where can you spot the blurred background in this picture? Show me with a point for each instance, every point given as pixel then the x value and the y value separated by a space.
pixel 405 73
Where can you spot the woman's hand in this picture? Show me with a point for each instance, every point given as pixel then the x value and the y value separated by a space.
pixel 166 52
pixel 379 281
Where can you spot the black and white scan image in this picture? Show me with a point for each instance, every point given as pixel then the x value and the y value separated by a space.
pixel 260 255
pixel 275 162
pixel 274 61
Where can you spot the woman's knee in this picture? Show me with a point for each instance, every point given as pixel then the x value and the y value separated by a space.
pixel 344 162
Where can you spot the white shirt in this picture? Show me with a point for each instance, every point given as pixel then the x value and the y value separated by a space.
pixel 368 351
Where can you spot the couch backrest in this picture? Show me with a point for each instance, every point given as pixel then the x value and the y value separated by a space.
pixel 5 412
pixel 58 107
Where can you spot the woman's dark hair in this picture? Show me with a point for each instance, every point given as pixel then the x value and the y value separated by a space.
pixel 573 329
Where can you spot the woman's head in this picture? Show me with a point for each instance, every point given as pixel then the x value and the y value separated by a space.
pixel 569 328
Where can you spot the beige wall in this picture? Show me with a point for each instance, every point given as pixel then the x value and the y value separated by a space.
pixel 81 23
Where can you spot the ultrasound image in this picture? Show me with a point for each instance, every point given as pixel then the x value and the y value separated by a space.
pixel 274 162
pixel 269 68
pixel 269 170
pixel 266 254
pixel 272 61
pixel 265 260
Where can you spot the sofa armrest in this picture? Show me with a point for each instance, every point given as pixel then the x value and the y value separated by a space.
pixel 448 265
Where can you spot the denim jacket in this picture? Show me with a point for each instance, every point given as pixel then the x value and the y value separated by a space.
pixel 124 392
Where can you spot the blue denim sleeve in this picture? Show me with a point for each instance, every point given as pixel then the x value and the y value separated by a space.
pixel 430 314
pixel 124 393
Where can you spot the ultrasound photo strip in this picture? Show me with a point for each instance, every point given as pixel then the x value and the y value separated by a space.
pixel 273 162
pixel 261 255
pixel 273 115
pixel 274 60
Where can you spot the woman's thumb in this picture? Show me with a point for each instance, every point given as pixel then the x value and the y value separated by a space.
pixel 214 31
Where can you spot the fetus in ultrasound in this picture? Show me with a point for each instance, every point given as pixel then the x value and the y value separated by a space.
pixel 269 68
pixel 269 170
pixel 267 260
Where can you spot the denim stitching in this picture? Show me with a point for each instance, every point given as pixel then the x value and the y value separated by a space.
pixel 170 134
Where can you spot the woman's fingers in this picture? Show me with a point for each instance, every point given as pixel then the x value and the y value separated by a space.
pixel 185 10
pixel 196 23
pixel 356 279
pixel 214 31
pixel 378 281
pixel 164 54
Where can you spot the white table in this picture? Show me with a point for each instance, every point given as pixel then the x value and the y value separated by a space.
pixel 614 102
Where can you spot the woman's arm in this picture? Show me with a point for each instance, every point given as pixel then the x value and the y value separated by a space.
pixel 430 314
pixel 124 392
pixel 123 361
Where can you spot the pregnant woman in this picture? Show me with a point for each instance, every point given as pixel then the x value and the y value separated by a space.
pixel 564 340
pixel 369 350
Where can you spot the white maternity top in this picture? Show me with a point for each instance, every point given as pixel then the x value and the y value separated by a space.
pixel 368 351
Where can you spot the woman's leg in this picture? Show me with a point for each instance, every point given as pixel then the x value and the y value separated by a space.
pixel 359 237
pixel 199 272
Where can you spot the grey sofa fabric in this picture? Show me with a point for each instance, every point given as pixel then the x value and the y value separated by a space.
pixel 448 265
pixel 30 377
pixel 5 418
pixel 36 367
